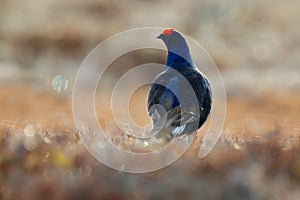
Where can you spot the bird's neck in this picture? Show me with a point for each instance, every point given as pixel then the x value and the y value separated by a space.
pixel 179 58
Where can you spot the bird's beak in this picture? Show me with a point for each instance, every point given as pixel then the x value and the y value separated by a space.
pixel 160 36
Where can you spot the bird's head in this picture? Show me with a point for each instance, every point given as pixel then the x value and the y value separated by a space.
pixel 171 37
pixel 174 41
pixel 176 44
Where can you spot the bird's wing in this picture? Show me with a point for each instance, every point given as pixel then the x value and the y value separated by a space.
pixel 163 92
pixel 154 96
pixel 202 90
pixel 175 114
pixel 162 101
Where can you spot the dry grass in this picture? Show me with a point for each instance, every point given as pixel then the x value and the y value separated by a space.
pixel 257 157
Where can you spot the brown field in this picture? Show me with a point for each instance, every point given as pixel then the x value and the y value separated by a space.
pixel 257 156
pixel 255 45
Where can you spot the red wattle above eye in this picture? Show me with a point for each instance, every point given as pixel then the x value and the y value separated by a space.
pixel 168 31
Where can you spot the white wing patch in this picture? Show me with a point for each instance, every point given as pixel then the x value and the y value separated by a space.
pixel 178 130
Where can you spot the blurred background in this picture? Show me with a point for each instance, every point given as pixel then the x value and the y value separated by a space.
pixel 255 44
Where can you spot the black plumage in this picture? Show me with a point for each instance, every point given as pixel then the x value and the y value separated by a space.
pixel 179 82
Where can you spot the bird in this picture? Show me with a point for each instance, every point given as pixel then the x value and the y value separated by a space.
pixel 170 107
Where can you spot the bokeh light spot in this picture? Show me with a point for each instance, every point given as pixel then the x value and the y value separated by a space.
pixel 59 83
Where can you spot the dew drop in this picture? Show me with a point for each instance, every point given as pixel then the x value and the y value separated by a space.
pixel 146 143
pixel 59 83
pixel 30 130
pixel 47 155
pixel 85 170
pixel 47 140
pixel 30 144
pixel 237 146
